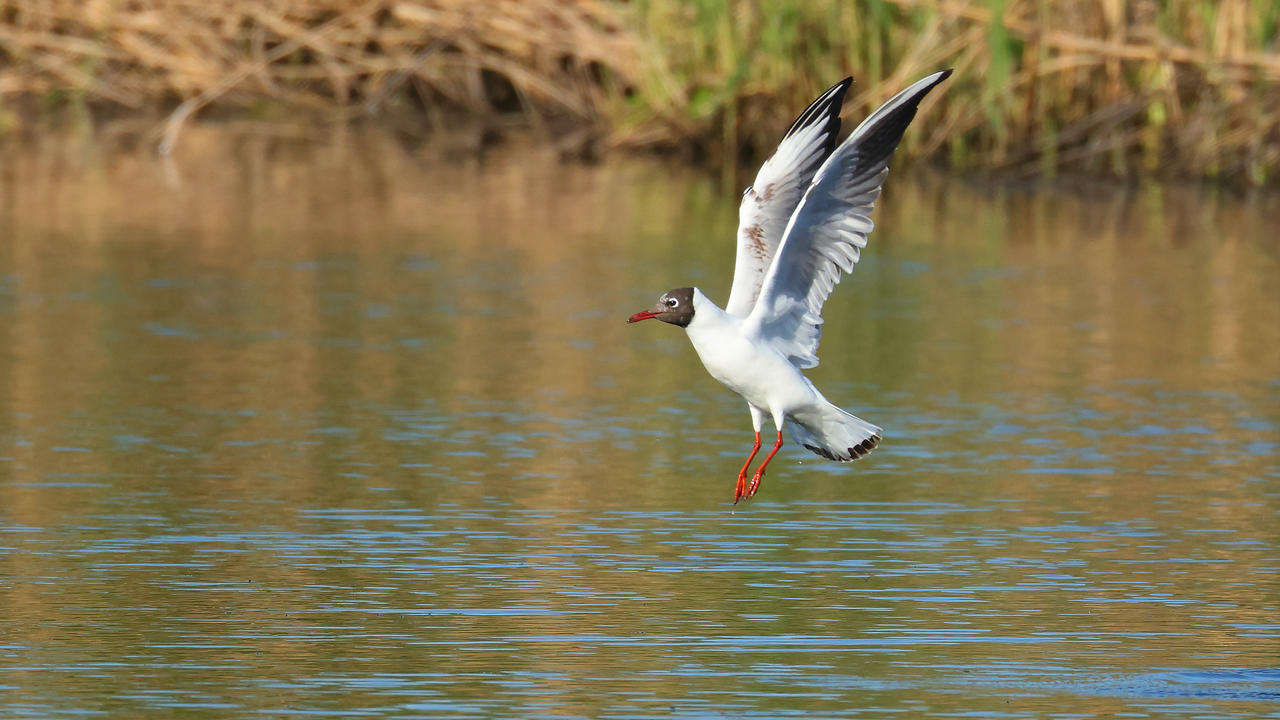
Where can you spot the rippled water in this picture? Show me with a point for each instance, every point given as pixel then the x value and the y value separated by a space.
pixel 346 430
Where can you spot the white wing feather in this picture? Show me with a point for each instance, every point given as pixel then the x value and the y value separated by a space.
pixel 829 228
pixel 768 204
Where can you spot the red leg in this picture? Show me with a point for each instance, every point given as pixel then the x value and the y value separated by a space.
pixel 755 481
pixel 742 474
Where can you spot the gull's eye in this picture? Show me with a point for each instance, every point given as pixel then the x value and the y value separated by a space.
pixel 672 302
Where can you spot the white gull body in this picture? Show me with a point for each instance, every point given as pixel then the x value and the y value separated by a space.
pixel 802 223
pixel 756 370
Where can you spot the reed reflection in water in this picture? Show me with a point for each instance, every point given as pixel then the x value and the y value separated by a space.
pixel 340 428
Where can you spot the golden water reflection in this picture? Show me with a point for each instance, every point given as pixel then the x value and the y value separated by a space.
pixel 345 426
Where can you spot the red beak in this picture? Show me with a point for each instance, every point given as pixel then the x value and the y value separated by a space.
pixel 643 315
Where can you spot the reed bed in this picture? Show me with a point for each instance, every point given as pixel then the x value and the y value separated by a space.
pixel 1133 88
pixel 1138 88
pixel 440 56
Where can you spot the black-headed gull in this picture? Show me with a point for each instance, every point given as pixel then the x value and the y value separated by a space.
pixel 801 224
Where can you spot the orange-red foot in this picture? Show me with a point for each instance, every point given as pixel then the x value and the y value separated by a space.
pixel 740 489
pixel 755 480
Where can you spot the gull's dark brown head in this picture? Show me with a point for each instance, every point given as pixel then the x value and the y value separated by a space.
pixel 675 307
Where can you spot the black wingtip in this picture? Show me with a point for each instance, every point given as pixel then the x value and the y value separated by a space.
pixel 942 75
pixel 829 103
pixel 883 129
pixel 938 77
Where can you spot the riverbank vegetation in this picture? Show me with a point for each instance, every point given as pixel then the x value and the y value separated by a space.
pixel 1144 88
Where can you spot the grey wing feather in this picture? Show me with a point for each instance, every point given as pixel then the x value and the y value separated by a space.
pixel 829 228
pixel 768 203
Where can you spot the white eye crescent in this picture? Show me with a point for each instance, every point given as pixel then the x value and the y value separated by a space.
pixel 672 302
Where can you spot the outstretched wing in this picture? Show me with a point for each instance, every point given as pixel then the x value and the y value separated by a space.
pixel 829 229
pixel 769 202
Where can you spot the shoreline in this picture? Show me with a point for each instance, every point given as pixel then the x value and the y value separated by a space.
pixel 466 141
pixel 78 185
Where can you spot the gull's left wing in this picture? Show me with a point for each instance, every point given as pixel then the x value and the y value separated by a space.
pixel 768 203
pixel 829 228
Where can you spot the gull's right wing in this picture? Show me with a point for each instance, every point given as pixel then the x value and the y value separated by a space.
pixel 829 229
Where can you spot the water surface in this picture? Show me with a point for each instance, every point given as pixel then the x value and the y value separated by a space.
pixel 342 429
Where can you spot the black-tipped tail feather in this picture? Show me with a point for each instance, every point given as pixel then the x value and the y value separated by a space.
pixel 860 450
pixel 833 433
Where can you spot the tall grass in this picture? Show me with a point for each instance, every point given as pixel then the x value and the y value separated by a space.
pixel 1121 87
pixel 1146 87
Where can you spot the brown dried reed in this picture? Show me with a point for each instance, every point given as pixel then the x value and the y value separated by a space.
pixel 1126 88
pixel 317 54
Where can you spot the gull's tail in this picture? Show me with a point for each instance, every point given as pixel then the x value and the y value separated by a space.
pixel 833 433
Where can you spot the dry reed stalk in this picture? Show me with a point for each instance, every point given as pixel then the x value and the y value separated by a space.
pixel 1109 49
pixel 344 53
pixel 1143 101
pixel 1189 87
pixel 1181 86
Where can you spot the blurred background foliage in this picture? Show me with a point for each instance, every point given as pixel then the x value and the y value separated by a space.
pixel 1129 89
